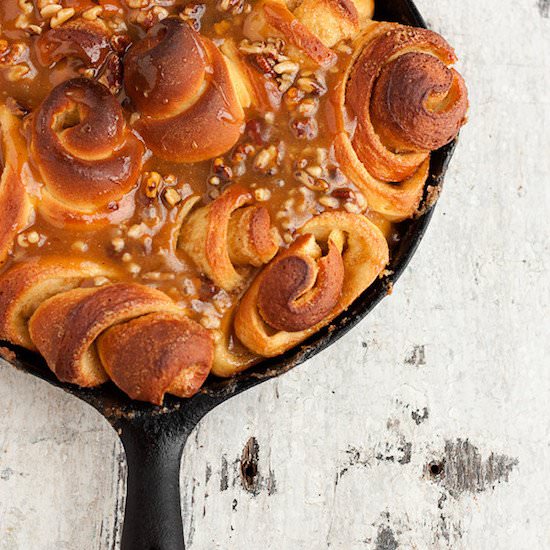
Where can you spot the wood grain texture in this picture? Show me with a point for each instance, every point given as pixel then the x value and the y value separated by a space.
pixel 426 427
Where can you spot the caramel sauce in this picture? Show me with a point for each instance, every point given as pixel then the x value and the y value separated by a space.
pixel 293 132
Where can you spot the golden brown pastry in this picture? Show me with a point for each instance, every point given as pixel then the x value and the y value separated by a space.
pixel 336 256
pixel 180 83
pixel 312 26
pixel 85 154
pixel 157 354
pixel 15 206
pixel 145 343
pixel 26 285
pixel 252 88
pixel 66 327
pixel 230 356
pixel 405 101
pixel 228 233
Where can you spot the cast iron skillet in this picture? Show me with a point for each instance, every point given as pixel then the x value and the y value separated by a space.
pixel 154 437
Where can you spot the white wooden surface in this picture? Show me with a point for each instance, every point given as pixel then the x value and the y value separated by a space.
pixel 454 368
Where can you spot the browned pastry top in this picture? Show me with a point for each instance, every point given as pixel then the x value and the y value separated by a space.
pixel 337 257
pixel 420 122
pixel 88 41
pixel 180 83
pixel 155 354
pixel 83 149
pixel 297 292
pixel 403 94
pixel 226 234
pixel 26 285
pixel 65 326
pixel 158 85
pixel 282 19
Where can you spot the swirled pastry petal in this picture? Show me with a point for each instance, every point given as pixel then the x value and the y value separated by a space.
pixel 91 42
pixel 65 327
pixel 26 285
pixel 180 83
pixel 404 101
pixel 304 288
pixel 313 26
pixel 300 290
pixel 228 233
pixel 230 356
pixel 273 18
pixel 15 206
pixel 87 157
pixel 156 354
pixel 330 20
pixel 252 88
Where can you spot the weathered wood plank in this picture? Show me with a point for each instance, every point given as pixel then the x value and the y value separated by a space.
pixel 425 427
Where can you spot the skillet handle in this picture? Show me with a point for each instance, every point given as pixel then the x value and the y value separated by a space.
pixel 153 519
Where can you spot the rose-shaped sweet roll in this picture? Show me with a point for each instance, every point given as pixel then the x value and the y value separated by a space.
pixel 15 206
pixel 130 333
pixel 336 256
pixel 229 232
pixel 398 101
pixel 181 85
pixel 26 285
pixel 87 157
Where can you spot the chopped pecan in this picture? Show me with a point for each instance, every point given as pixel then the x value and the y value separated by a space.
pixel 344 193
pixel 304 128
